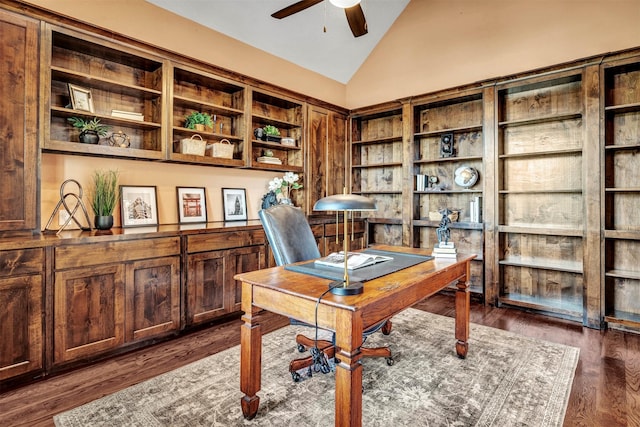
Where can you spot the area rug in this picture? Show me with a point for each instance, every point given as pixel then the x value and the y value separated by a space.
pixel 506 380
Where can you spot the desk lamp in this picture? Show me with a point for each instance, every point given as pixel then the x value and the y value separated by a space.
pixel 347 203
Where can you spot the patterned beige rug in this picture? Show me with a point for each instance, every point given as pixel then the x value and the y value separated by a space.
pixel 506 380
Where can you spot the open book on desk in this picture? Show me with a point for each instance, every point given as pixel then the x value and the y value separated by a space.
pixel 355 260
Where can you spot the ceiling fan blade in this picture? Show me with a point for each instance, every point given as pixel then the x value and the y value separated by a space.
pixel 295 8
pixel 357 22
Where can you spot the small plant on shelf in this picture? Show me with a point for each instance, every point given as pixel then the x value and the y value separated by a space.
pixel 90 130
pixel 104 197
pixel 197 120
pixel 271 130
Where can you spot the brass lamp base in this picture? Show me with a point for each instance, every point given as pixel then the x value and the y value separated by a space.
pixel 338 288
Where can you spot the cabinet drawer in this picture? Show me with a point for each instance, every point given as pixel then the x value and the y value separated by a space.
pixel 216 241
pixel 108 252
pixel 330 229
pixel 21 261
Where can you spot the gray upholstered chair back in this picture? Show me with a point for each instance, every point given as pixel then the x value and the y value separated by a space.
pixel 289 234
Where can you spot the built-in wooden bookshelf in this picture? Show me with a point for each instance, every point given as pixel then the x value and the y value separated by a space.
pixel 621 176
pixel 457 120
pixel 376 169
pixel 540 200
pixel 288 116
pixel 223 100
pixel 112 77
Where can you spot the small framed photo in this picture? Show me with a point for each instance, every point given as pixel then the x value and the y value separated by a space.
pixel 192 204
pixel 138 205
pixel 80 98
pixel 234 201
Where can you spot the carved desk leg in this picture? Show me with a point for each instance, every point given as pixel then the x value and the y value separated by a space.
pixel 349 370
pixel 250 354
pixel 462 313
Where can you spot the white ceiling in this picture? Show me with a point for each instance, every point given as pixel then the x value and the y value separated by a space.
pixel 298 38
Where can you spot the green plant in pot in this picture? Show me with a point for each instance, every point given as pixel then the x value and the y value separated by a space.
pixel 198 121
pixel 104 197
pixel 90 130
pixel 272 132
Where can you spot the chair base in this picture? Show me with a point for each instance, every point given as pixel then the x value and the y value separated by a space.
pixel 304 343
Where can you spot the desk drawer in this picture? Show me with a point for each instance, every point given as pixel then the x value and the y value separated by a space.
pixel 227 240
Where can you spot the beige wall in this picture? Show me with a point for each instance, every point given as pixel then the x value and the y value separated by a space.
pixel 439 44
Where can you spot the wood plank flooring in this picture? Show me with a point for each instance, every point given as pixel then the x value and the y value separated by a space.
pixel 606 388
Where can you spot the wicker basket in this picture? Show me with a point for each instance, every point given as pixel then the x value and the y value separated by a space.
pixel 193 145
pixel 220 149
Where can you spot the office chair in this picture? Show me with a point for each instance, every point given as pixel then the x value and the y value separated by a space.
pixel 291 240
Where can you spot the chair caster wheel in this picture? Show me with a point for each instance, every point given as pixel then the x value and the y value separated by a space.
pixel 390 361
pixel 301 348
pixel 296 377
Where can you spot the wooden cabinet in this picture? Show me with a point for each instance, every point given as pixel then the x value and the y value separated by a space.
pixel 212 261
pixel 621 175
pixel 109 78
pixel 377 169
pixel 287 115
pixel 327 154
pixel 112 294
pixel 223 100
pixel 447 138
pixel 334 234
pixel 541 207
pixel 21 299
pixel 19 206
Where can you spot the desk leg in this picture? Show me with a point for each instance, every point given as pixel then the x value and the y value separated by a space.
pixel 349 370
pixel 462 313
pixel 250 355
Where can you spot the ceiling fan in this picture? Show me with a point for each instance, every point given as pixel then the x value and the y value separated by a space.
pixel 352 9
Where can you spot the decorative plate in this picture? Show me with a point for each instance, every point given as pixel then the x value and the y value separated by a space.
pixel 466 176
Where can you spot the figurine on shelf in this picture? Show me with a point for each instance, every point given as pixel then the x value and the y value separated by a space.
pixel 443 231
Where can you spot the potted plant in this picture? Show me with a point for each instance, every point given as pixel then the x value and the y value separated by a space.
pixel 197 120
pixel 104 197
pixel 90 130
pixel 272 133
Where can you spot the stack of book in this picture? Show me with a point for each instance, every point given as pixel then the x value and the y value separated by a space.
pixel 270 160
pixel 444 250
pixel 127 115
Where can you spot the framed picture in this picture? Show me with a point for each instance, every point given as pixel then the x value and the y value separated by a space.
pixel 81 98
pixel 192 204
pixel 138 205
pixel 234 201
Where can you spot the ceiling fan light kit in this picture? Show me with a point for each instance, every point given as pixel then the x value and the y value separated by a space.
pixel 352 9
pixel 344 4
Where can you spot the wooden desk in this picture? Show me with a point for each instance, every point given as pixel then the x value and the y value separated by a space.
pixel 295 294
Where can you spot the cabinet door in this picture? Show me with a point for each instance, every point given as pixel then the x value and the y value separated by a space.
pixel 18 123
pixel 211 289
pixel 20 325
pixel 152 298
pixel 88 311
pixel 327 154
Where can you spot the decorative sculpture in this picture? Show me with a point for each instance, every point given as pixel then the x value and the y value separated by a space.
pixel 443 231
pixel 62 203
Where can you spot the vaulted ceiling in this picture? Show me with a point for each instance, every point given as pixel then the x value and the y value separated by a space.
pixel 317 38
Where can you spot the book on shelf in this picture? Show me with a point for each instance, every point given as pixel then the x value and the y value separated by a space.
pixel 127 115
pixel 475 209
pixel 355 260
pixel 270 160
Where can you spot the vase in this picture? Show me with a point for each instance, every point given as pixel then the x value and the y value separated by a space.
pixel 89 137
pixel 103 222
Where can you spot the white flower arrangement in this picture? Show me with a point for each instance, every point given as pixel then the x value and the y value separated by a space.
pixel 284 185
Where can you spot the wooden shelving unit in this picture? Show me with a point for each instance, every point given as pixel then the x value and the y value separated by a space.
pixel 224 101
pixel 377 169
pixel 540 199
pixel 460 118
pixel 621 175
pixel 117 78
pixel 288 116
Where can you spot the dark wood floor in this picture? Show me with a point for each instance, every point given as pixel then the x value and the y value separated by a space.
pixel 606 388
